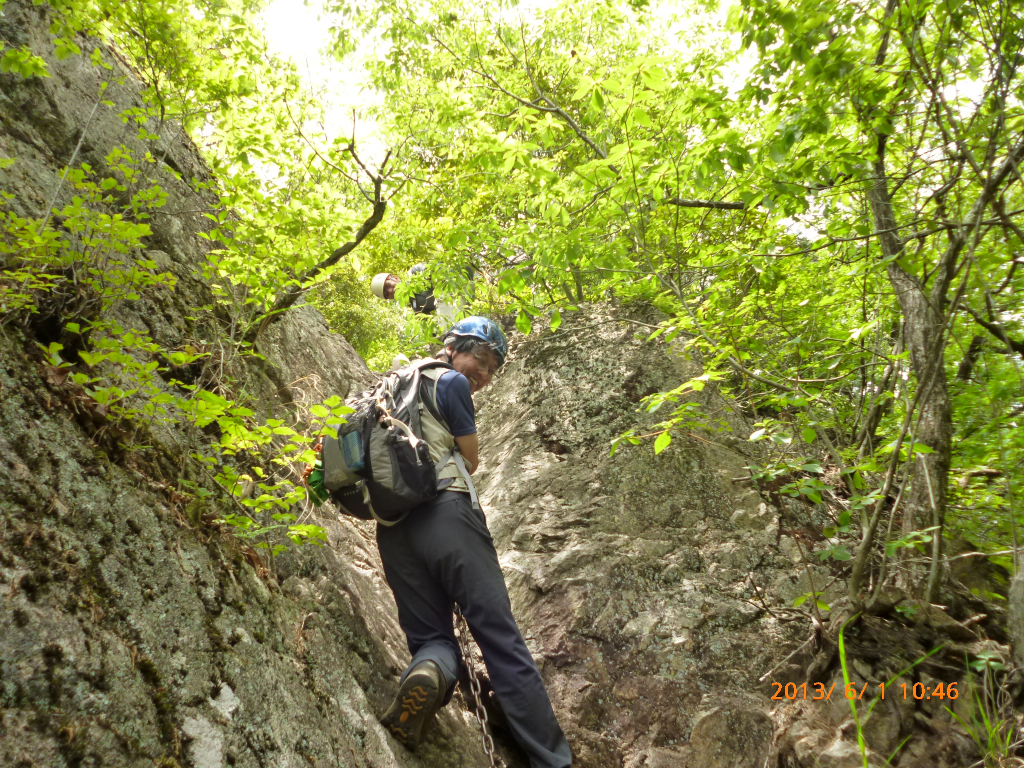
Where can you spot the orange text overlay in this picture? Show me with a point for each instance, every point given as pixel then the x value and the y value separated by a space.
pixel 818 691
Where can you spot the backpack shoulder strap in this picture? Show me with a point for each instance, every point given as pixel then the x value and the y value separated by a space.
pixel 428 385
pixel 428 396
pixel 429 362
pixel 409 391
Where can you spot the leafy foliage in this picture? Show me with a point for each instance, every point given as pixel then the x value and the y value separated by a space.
pixel 815 212
pixel 821 203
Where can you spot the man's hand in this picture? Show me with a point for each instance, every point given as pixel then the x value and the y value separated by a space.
pixel 469 447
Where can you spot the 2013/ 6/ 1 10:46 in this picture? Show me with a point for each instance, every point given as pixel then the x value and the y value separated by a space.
pixel 918 691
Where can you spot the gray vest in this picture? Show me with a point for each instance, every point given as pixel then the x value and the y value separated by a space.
pixel 441 443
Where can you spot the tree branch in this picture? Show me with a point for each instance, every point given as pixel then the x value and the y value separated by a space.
pixel 946 267
pixel 966 368
pixel 997 330
pixel 715 204
pixel 294 291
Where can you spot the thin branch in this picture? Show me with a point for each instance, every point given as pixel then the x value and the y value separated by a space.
pixel 714 204
pixel 293 292
pixel 997 330
pixel 947 264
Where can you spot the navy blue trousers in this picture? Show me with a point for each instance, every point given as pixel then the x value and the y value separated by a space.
pixel 442 554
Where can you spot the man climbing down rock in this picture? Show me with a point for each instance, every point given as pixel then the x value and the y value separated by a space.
pixel 442 553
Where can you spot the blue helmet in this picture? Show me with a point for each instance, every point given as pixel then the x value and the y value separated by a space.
pixel 484 329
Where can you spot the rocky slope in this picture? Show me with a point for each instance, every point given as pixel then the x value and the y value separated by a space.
pixel 657 590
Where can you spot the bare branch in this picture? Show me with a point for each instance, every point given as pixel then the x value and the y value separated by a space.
pixel 715 204
pixel 997 330
pixel 293 292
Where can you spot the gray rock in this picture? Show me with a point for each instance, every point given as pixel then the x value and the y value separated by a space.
pixel 731 733
pixel 666 758
pixel 206 743
pixel 844 754
pixel 625 570
pixel 807 743
pixel 885 726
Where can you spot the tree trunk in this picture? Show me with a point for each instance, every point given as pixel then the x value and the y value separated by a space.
pixel 1015 617
pixel 925 500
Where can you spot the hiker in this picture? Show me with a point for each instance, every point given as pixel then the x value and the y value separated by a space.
pixel 423 302
pixel 442 553
pixel 384 285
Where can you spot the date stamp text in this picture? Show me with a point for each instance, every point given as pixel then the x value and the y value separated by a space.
pixel 817 692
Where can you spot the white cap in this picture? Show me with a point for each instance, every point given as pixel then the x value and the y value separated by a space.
pixel 377 285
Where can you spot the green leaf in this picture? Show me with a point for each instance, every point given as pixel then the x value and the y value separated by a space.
pixel 841 553
pixel 809 435
pixel 511 280
pixel 556 320
pixel 655 79
pixel 662 442
pixel 91 358
pixel 523 323
pixel 21 61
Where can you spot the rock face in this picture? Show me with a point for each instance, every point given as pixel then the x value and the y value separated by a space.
pixel 131 634
pixel 655 590
pixel 128 637
pixel 633 574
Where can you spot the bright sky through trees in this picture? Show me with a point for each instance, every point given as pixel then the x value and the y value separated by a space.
pixel 294 29
pixel 300 32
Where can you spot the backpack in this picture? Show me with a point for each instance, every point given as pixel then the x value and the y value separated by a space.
pixel 379 467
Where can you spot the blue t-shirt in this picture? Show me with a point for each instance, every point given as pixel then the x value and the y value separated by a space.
pixel 455 402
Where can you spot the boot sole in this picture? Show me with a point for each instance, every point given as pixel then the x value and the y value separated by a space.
pixel 415 704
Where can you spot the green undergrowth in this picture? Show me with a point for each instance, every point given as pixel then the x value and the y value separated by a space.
pixel 67 278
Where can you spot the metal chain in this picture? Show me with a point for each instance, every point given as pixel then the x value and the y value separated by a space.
pixel 474 684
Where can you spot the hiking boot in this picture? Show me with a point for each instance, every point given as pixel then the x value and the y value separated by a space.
pixel 417 700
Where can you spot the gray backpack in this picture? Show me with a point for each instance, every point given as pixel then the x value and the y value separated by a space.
pixel 379 466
